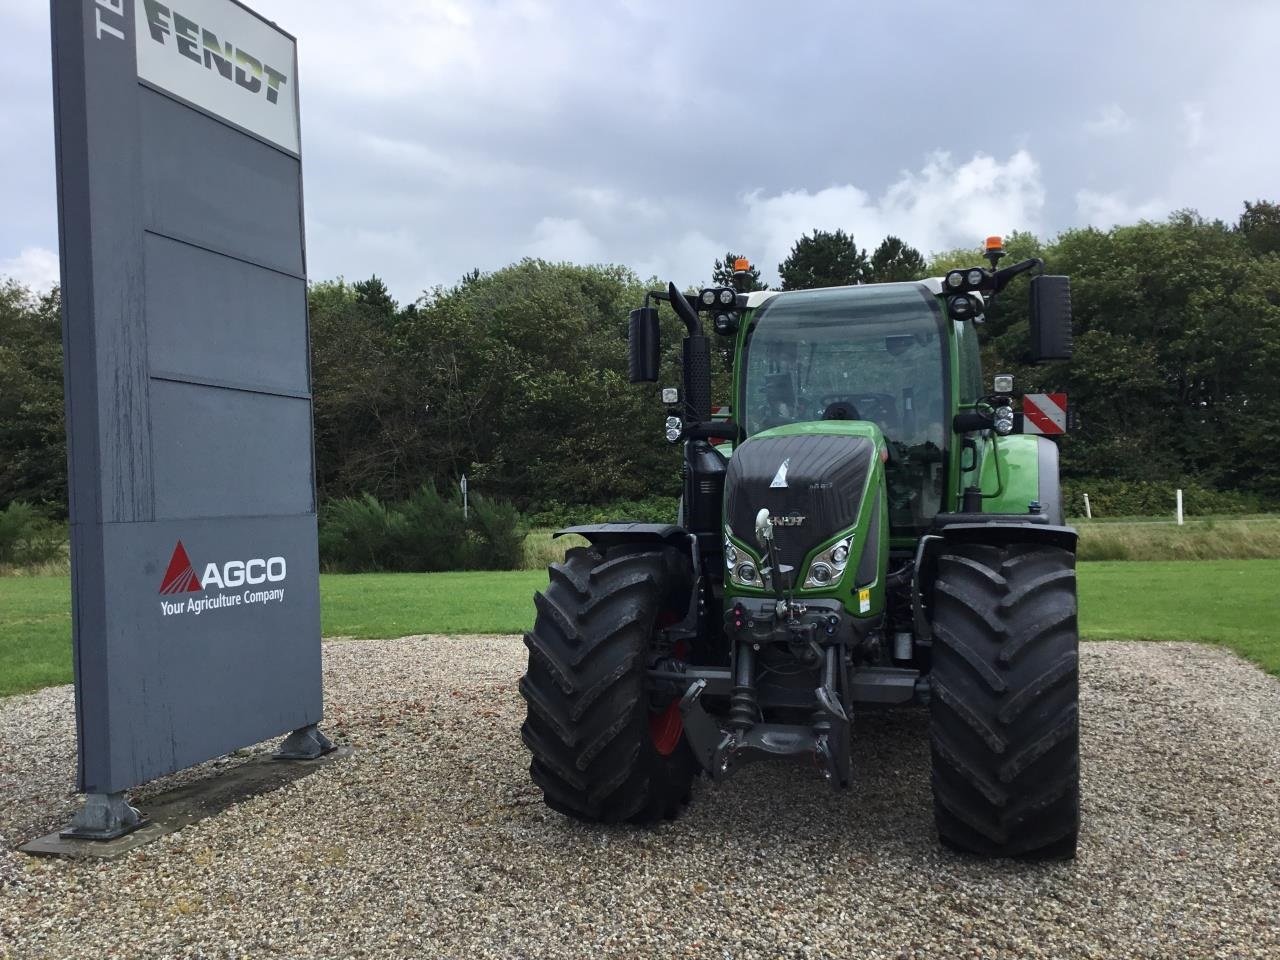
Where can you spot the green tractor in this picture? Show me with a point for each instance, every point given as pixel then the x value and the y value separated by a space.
pixel 871 528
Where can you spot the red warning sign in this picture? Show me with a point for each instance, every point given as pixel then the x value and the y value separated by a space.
pixel 1044 413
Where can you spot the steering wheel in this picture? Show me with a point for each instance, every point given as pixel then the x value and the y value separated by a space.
pixel 882 409
pixel 839 410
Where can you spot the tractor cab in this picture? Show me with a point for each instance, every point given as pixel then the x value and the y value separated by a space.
pixel 876 354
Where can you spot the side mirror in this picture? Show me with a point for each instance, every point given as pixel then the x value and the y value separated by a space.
pixel 1050 319
pixel 643 344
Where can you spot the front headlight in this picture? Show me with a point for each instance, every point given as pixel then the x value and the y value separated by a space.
pixel 820 574
pixel 745 574
pixel 828 567
pixel 742 569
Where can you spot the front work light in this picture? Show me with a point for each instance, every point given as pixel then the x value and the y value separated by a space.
pixel 726 324
pixel 674 429
pixel 1002 383
pixel 955 279
pixel 963 307
pixel 708 297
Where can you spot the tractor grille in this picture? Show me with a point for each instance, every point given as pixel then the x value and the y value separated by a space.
pixel 826 476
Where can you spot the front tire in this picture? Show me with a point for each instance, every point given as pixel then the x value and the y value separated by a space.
pixel 601 751
pixel 1004 713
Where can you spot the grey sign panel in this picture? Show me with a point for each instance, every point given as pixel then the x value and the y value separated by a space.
pixel 195 582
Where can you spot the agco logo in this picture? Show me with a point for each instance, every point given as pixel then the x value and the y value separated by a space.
pixel 180 578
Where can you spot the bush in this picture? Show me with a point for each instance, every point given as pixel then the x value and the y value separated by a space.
pixel 426 532
pixel 657 509
pixel 496 536
pixel 27 537
pixel 1144 498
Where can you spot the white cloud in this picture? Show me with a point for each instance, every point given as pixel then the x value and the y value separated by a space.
pixel 942 205
pixel 557 238
pixel 1111 122
pixel 686 259
pixel 35 267
pixel 1105 210
pixel 1193 124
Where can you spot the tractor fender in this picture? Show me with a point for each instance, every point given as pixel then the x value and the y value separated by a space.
pixel 605 536
pixel 998 529
pixel 988 528
pixel 1029 467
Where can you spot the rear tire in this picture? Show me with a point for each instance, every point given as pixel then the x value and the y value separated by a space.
pixel 600 752
pixel 1004 713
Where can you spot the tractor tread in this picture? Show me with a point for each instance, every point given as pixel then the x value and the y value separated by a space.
pixel 1064 668
pixel 989 675
pixel 587 724
pixel 1004 718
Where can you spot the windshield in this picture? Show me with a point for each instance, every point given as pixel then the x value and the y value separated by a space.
pixel 872 353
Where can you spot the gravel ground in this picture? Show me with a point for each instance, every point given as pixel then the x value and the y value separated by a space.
pixel 430 840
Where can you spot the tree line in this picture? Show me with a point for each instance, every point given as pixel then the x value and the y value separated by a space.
pixel 517 377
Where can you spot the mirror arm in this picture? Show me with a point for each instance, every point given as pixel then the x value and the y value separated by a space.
pixel 1003 276
pixel 684 310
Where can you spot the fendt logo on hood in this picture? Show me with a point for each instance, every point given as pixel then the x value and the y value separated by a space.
pixel 180 577
pixel 780 478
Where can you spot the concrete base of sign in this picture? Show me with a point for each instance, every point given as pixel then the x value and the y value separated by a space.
pixel 104 816
pixel 170 812
pixel 305 744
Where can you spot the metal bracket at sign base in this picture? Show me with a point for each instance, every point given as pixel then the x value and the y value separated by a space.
pixel 307 743
pixel 104 816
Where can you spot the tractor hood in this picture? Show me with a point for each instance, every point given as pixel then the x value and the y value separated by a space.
pixel 811 476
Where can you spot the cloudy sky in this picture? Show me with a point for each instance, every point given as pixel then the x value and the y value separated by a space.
pixel 443 135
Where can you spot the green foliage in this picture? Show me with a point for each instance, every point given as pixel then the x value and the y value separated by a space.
pixel 424 532
pixel 1260 225
pixel 1252 538
pixel 895 261
pixel 33 448
pixel 1177 345
pixel 722 274
pixel 496 536
pixel 825 259
pixel 656 509
pixel 1109 497
pixel 516 378
pixel 28 538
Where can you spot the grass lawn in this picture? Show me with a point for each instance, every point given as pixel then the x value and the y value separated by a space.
pixel 1235 603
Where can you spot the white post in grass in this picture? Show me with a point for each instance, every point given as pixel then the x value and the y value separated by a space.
pixel 1088 511
pixel 1179 508
pixel 466 514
